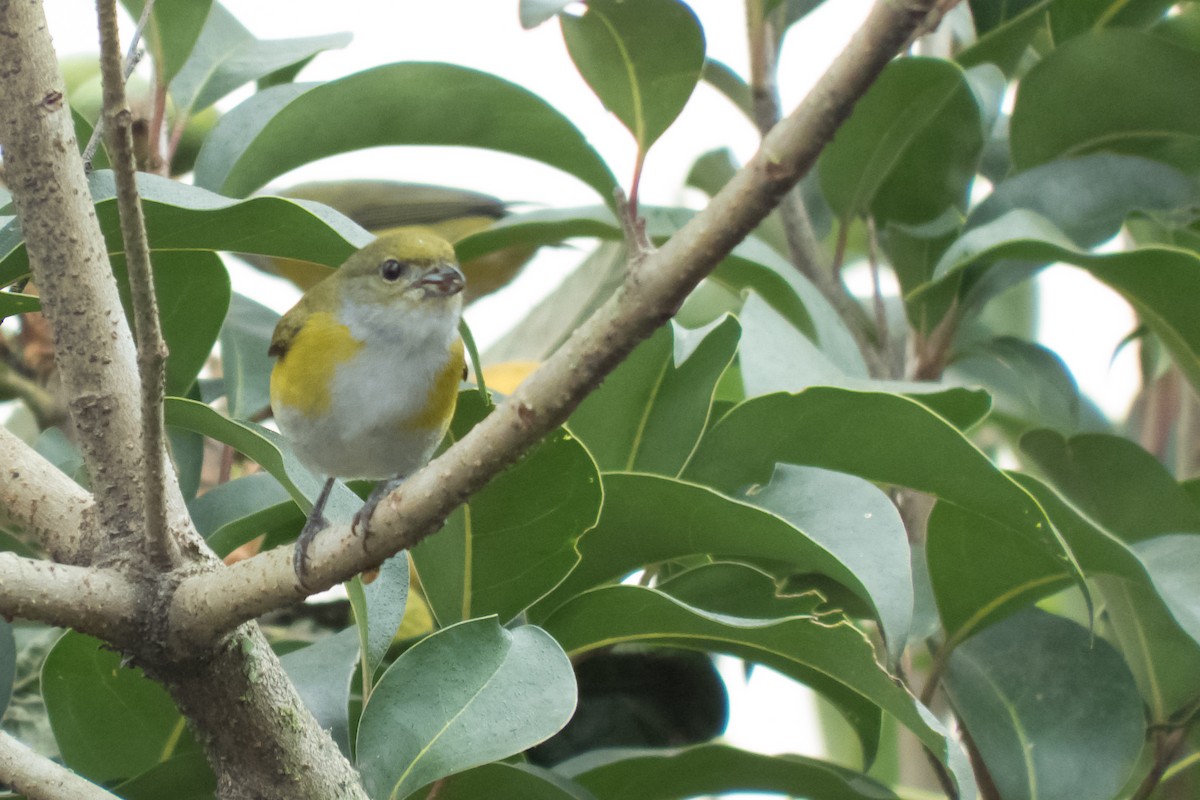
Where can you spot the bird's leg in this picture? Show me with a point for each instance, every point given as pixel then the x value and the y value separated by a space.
pixel 381 490
pixel 315 523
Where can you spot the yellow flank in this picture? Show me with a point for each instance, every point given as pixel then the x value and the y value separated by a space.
pixel 303 377
pixel 443 395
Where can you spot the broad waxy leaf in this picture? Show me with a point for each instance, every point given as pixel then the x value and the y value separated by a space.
pixel 1156 281
pixel 321 674
pixel 649 413
pixel 182 217
pixel 232 513
pixel 13 303
pixel 1165 660
pixel 245 363
pixel 1173 562
pixel 1083 97
pixel 172 30
pixel 821 650
pixel 1005 31
pixel 267 448
pixel 860 526
pixel 186 776
pixel 647 520
pixel 1117 483
pixel 911 147
pixel 713 769
pixel 411 103
pixel 1053 709
pixel 192 289
pixel 514 540
pixel 227 56
pixel 1081 16
pixel 88 695
pixel 881 437
pixel 641 59
pixel 464 696
pixel 378 611
pixel 500 779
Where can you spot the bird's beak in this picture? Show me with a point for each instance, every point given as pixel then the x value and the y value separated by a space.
pixel 442 280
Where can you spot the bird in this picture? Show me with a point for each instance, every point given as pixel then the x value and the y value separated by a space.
pixel 367 368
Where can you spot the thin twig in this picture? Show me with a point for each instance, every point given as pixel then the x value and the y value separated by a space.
pixel 634 228
pixel 39 778
pixel 803 247
pixel 132 57
pixel 151 348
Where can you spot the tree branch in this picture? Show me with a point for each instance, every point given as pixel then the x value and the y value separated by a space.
pixel 39 778
pixel 151 349
pixel 764 41
pixel 69 262
pixel 206 605
pixel 96 601
pixel 36 496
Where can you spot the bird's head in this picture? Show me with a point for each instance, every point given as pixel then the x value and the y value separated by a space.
pixel 407 269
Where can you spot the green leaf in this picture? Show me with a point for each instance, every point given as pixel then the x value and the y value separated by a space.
pixel 1114 481
pixel 1089 197
pixel 647 520
pixel 1029 383
pixel 821 650
pixel 1083 97
pixel 1173 562
pixel 245 365
pixel 1005 32
pixel 1080 16
pixel 182 217
pixel 186 776
pixel 713 769
pixel 641 59
pixel 321 674
pixel 13 303
pixel 982 571
pixel 880 437
pixel 1052 709
pixel 464 696
pixel 1156 281
pixel 860 526
pixel 499 779
pixel 230 514
pixel 89 695
pixel 378 609
pixel 8 663
pixel 750 265
pixel 412 103
pixel 270 450
pixel 514 540
pixel 722 78
pixel 911 147
pixel 171 31
pixel 227 56
pixel 649 413
pixel 192 289
pixel 1164 659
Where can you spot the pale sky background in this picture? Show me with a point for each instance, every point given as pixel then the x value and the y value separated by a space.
pixel 1081 320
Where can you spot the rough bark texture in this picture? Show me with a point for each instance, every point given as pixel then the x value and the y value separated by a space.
pixel 39 778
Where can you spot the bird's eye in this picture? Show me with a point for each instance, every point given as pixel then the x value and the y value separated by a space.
pixel 392 270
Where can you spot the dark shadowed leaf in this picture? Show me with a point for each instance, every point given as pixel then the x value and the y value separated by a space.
pixel 1053 709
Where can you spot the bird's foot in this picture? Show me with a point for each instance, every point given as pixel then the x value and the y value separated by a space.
pixel 362 520
pixel 315 523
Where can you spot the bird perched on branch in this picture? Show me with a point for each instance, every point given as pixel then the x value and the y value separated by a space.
pixel 368 366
